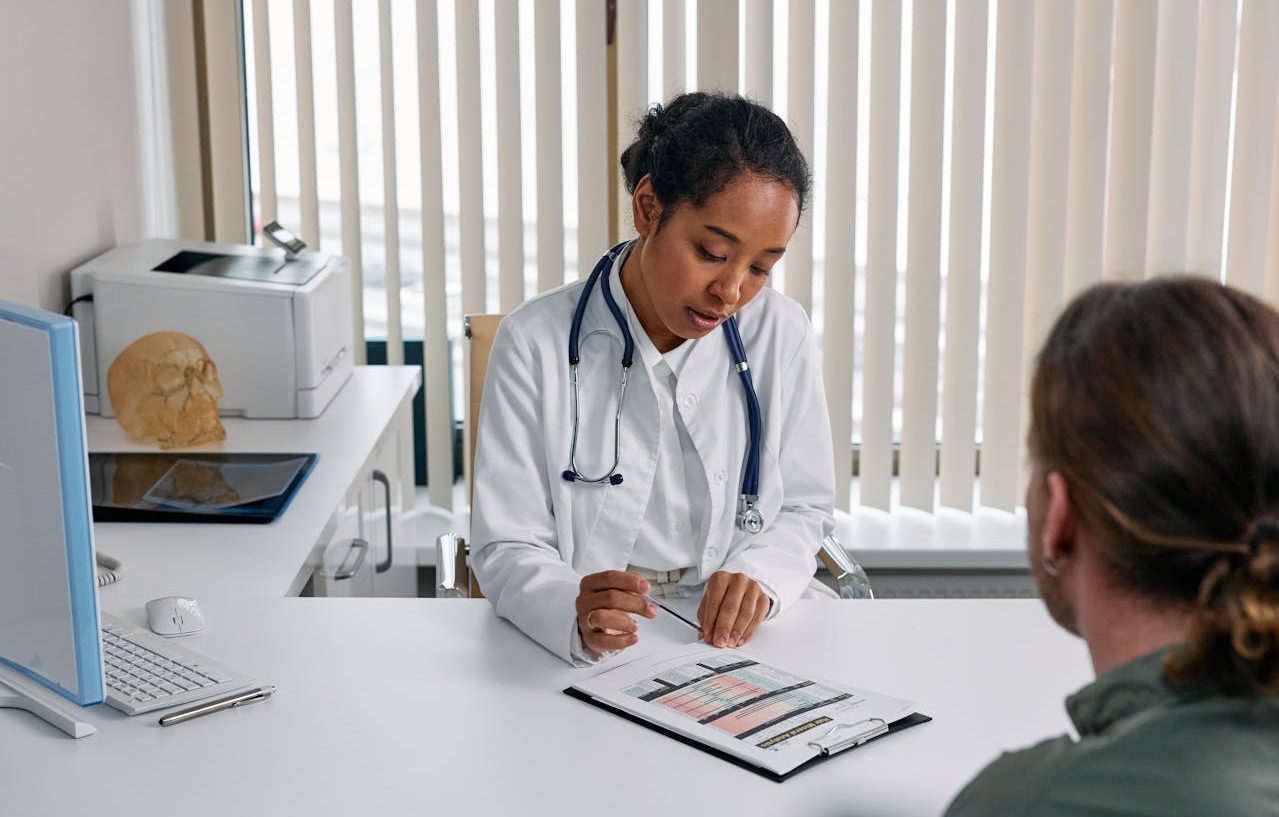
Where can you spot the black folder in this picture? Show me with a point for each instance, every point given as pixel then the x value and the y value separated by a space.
pixel 913 719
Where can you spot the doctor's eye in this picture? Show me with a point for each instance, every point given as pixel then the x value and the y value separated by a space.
pixel 708 255
pixel 760 271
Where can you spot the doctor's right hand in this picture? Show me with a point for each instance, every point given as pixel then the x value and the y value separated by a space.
pixel 605 603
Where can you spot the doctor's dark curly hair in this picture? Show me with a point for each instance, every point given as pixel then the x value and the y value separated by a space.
pixel 699 143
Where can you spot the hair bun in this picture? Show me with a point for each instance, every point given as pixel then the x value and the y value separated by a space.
pixel 1264 530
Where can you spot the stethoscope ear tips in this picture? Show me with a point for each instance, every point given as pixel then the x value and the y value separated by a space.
pixel 569 476
pixel 616 479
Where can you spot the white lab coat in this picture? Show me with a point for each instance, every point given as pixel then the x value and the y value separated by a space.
pixel 534 535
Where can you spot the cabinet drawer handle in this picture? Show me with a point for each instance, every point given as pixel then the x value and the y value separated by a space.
pixel 348 569
pixel 384 566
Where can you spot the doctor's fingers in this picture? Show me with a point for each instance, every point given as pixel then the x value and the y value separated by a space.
pixel 762 606
pixel 607 622
pixel 613 580
pixel 601 642
pixel 736 610
pixel 615 600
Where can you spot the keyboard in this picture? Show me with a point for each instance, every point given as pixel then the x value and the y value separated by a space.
pixel 145 672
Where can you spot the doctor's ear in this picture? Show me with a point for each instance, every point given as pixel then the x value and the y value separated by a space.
pixel 645 208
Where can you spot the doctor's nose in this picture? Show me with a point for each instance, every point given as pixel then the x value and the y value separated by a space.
pixel 727 287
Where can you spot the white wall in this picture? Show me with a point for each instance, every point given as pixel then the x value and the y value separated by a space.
pixel 69 163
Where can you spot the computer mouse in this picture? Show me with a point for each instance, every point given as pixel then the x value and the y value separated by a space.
pixel 174 615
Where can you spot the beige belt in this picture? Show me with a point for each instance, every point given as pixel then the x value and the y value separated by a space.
pixel 663 584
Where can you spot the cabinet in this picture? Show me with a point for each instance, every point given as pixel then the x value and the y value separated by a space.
pixel 363 479
pixel 366 547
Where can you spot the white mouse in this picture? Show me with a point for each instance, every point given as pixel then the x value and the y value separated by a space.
pixel 174 615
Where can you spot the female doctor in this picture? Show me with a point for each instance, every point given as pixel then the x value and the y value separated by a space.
pixel 660 428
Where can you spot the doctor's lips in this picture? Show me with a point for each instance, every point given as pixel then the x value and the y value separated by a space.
pixel 705 321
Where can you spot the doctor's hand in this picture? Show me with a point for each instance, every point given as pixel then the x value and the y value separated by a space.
pixel 605 602
pixel 733 606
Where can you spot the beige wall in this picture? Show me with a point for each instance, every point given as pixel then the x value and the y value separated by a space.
pixel 69 164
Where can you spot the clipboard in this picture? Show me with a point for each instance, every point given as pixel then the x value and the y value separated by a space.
pixel 834 743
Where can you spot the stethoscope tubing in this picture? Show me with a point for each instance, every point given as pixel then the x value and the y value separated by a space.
pixel 748 517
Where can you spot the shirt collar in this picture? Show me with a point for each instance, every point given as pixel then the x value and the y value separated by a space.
pixel 652 358
pixel 1123 692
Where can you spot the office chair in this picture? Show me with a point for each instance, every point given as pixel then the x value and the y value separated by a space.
pixel 453 577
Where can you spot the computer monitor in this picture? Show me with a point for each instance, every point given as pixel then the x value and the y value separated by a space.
pixel 49 636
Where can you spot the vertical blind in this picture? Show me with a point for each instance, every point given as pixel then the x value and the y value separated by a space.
pixel 996 156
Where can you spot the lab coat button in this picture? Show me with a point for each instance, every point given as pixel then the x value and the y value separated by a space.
pixel 719 477
pixel 690 401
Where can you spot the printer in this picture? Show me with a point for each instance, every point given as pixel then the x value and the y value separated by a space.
pixel 277 325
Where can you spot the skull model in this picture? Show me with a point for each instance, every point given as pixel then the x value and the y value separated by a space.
pixel 165 391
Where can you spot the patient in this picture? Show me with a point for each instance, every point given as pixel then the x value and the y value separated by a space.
pixel 1154 535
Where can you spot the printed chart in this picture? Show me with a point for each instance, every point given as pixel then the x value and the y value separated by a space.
pixel 742 698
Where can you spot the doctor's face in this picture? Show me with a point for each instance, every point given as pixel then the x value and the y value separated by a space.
pixel 691 273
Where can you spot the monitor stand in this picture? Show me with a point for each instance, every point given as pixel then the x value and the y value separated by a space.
pixel 20 692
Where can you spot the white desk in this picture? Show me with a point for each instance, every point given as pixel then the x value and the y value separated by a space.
pixel 256 560
pixel 424 706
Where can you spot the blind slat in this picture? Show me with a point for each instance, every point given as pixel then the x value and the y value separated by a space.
pixel 305 90
pixel 510 195
pixel 1089 120
pixel 1001 410
pixel 1170 137
pixel 923 254
pixel 268 201
pixel 1210 136
pixel 799 253
pixel 470 158
pixel 632 89
pixel 759 45
pixel 349 168
pixel 550 167
pixel 1133 105
pixel 593 162
pixel 391 197
pixel 881 256
pixel 1254 145
pixel 438 418
pixel 841 271
pixel 963 276
pixel 674 52
pixel 1046 196
pixel 717 34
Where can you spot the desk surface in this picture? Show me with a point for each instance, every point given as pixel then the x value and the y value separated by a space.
pixel 425 706
pixel 165 559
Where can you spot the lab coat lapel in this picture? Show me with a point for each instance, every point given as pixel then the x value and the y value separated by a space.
pixel 620 507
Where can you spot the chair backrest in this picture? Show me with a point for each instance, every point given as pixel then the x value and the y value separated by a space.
pixel 480 331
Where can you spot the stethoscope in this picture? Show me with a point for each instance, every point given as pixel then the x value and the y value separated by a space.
pixel 749 519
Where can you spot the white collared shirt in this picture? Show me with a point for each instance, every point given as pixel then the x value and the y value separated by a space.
pixel 673 532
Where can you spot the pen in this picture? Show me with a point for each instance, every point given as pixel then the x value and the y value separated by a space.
pixel 248 696
pixel 671 610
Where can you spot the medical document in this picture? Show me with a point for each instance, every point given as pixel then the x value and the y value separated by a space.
pixel 727 700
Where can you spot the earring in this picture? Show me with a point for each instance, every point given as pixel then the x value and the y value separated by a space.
pixel 1051 567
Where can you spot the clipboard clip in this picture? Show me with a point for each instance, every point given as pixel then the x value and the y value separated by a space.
pixel 877 727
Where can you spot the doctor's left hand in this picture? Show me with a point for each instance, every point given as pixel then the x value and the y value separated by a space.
pixel 733 606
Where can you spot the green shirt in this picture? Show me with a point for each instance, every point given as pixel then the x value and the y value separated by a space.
pixel 1144 748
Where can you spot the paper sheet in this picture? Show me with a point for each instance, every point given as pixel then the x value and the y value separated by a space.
pixel 727 699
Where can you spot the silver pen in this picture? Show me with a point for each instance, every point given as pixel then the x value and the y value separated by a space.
pixel 671 610
pixel 248 696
